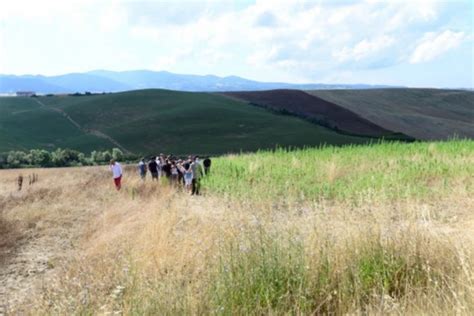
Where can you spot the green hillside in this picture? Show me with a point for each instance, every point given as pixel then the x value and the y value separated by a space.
pixel 429 114
pixel 24 124
pixel 151 121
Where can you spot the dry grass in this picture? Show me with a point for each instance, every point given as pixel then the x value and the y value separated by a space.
pixel 152 250
pixel 9 235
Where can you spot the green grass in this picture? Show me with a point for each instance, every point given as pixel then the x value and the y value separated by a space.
pixel 152 121
pixel 388 170
pixel 429 114
pixel 274 276
pixel 25 125
pixel 358 230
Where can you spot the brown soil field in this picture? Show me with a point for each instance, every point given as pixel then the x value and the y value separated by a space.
pixel 314 108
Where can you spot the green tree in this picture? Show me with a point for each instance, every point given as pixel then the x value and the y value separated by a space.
pixel 106 156
pixel 17 158
pixel 117 154
pixel 96 157
pixel 40 157
pixel 58 158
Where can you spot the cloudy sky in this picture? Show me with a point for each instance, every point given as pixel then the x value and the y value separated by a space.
pixel 420 43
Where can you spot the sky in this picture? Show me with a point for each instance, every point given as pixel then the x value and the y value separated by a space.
pixel 415 43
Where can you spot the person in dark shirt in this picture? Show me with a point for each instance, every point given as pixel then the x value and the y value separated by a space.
pixel 153 167
pixel 207 165
pixel 167 169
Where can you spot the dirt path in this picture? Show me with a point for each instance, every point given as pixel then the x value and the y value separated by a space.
pixel 84 130
pixel 46 224
pixel 45 243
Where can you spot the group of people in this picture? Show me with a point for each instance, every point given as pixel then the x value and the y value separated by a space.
pixel 187 172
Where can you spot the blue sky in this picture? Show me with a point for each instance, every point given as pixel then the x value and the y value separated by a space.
pixel 419 43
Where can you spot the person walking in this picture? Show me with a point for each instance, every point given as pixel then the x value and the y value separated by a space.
pixel 187 175
pixel 158 166
pixel 197 171
pixel 174 173
pixel 207 165
pixel 166 169
pixel 142 169
pixel 116 169
pixel 153 167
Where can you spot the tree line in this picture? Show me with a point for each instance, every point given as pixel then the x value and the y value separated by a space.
pixel 60 158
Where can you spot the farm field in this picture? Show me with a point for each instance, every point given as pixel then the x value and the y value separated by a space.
pixel 380 229
pixel 25 124
pixel 153 121
pixel 307 106
pixel 427 114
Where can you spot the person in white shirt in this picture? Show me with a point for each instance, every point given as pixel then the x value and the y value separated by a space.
pixel 116 169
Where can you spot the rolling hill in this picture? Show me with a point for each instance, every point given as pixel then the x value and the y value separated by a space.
pixel 148 121
pixel 313 108
pixel 427 114
pixel 151 121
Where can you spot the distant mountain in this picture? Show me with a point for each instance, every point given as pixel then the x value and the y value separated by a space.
pixel 115 81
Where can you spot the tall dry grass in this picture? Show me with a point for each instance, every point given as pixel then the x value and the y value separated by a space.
pixel 151 249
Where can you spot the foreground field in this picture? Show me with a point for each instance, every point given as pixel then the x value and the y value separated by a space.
pixel 381 229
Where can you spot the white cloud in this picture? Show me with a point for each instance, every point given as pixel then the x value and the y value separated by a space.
pixel 364 49
pixel 265 39
pixel 433 45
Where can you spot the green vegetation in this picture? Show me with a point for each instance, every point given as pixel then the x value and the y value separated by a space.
pixel 274 276
pixel 153 121
pixel 360 230
pixel 428 114
pixel 25 125
pixel 59 158
pixel 347 173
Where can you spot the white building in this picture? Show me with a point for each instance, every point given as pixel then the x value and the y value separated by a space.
pixel 24 93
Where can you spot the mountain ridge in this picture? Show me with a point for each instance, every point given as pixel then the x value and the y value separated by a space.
pixel 118 81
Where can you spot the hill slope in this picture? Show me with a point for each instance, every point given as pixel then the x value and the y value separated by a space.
pixel 421 113
pixel 148 121
pixel 313 108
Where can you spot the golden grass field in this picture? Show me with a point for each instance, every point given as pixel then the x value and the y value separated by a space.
pixel 71 244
